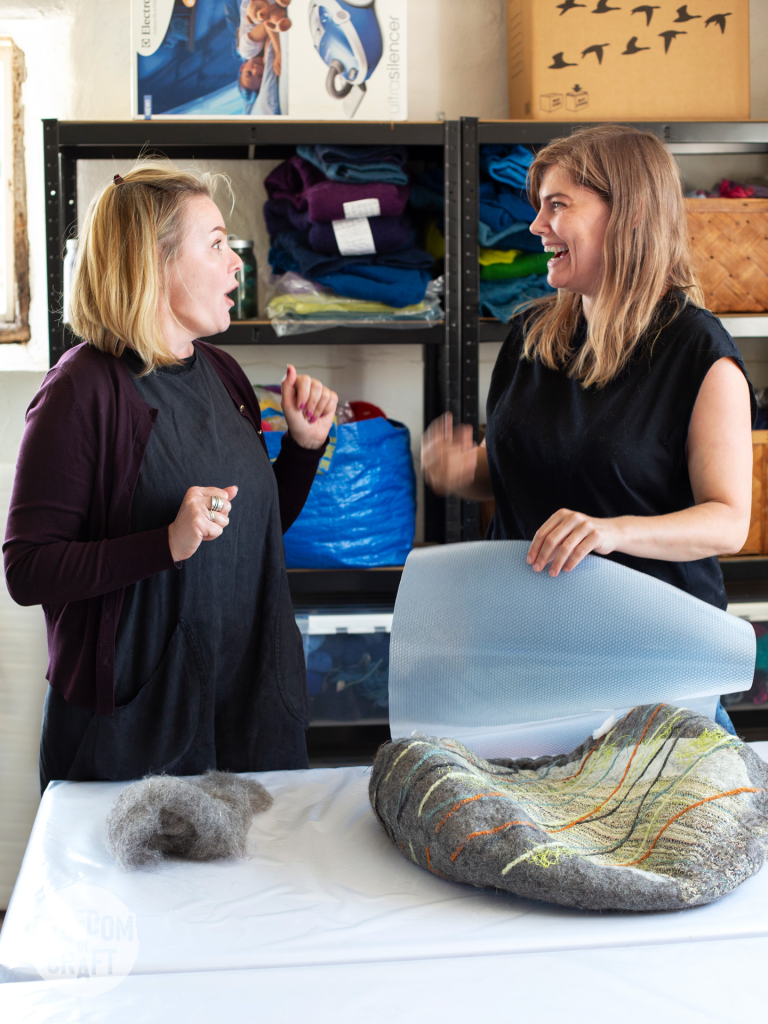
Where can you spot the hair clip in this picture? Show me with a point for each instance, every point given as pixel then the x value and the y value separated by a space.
pixel 117 180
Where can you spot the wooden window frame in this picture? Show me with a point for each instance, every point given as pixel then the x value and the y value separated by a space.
pixel 16 327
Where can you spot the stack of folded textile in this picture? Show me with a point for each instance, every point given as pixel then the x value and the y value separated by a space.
pixel 726 189
pixel 336 218
pixel 513 266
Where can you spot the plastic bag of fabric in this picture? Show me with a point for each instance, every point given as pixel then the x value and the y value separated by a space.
pixel 361 511
pixel 300 306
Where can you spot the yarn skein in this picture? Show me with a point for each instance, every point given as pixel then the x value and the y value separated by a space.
pixel 201 818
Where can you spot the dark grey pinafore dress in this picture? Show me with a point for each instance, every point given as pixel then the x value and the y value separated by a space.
pixel 209 667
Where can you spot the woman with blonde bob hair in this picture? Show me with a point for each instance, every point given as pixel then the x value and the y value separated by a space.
pixel 619 412
pixel 146 517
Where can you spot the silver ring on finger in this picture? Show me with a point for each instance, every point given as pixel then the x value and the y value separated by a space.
pixel 212 515
pixel 217 503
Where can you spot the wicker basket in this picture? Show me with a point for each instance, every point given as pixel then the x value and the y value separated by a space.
pixel 730 244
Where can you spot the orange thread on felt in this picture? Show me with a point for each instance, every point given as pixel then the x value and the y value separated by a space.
pixel 488 832
pixel 466 800
pixel 706 800
pixel 429 859
pixel 589 814
pixel 584 762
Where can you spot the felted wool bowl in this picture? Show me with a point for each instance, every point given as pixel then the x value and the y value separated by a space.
pixel 665 811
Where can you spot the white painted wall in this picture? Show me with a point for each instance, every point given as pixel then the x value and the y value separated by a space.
pixel 78 68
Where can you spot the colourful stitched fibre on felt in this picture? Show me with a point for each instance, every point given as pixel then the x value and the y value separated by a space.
pixel 665 811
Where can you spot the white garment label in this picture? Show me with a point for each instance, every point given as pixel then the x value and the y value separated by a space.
pixel 354 237
pixel 362 208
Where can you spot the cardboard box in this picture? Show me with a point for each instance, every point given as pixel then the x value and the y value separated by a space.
pixel 611 60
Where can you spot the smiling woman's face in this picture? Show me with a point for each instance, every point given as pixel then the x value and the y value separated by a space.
pixel 198 281
pixel 572 222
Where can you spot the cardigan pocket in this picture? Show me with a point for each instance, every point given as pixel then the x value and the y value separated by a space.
pixel 163 721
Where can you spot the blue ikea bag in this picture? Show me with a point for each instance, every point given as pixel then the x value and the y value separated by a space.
pixel 361 511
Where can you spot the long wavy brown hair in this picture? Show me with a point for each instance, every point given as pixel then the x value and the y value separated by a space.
pixel 646 252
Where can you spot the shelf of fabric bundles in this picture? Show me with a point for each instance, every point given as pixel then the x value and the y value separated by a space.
pixel 499 180
pixel 262 332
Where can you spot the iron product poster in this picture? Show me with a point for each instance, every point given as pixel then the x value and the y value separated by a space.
pixel 301 59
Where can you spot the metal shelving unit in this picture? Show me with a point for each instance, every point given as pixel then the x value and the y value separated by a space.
pixel 449 348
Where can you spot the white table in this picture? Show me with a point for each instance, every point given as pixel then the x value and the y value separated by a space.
pixel 324 888
pixel 689 983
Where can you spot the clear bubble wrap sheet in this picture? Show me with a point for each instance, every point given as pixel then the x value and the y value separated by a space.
pixel 515 663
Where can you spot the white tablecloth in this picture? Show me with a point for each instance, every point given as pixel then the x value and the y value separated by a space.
pixel 367 936
pixel 691 983
pixel 323 885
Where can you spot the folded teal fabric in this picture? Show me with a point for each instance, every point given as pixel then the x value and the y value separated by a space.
pixel 358 163
pixel 516 236
pixel 502 298
pixel 508 164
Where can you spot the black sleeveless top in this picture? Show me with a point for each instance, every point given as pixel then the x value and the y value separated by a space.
pixel 618 450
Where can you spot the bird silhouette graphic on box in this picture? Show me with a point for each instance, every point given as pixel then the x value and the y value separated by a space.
pixel 647 10
pixel 668 36
pixel 717 19
pixel 683 15
pixel 632 47
pixel 558 62
pixel 597 49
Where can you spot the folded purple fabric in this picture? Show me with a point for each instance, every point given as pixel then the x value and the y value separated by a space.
pixel 281 215
pixel 325 201
pixel 291 179
pixel 389 234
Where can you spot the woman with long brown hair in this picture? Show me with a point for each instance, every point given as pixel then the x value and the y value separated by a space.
pixel 619 412
pixel 146 517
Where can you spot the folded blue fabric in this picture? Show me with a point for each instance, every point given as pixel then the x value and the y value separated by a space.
pixel 396 286
pixel 358 163
pixel 502 298
pixel 281 260
pixel 501 206
pixel 507 163
pixel 312 264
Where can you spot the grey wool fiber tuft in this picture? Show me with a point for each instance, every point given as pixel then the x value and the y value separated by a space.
pixel 205 818
pixel 665 811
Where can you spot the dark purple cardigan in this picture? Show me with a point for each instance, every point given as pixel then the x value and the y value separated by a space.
pixel 68 544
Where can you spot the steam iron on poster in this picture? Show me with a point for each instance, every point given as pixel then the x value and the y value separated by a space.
pixel 347 36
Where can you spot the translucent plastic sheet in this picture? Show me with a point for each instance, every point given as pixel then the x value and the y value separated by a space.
pixel 517 663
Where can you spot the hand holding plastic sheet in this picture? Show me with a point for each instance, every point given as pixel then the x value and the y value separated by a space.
pixel 516 663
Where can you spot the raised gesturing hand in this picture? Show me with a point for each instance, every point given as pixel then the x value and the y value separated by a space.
pixel 308 407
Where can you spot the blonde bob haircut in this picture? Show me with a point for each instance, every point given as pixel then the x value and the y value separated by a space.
pixel 133 230
pixel 646 251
